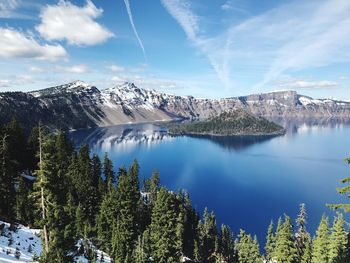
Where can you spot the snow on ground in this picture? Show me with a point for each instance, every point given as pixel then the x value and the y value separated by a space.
pixel 100 255
pixel 22 244
pixel 25 240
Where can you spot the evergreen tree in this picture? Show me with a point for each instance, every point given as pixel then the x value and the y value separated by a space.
pixel 7 182
pixel 154 185
pixel 227 245
pixel 126 224
pixel 345 190
pixel 270 243
pixel 248 249
pixel 207 236
pixel 338 242
pixel 163 228
pixel 108 171
pixel 307 256
pixel 302 236
pixel 321 242
pixel 140 253
pixel 24 206
pixel 106 218
pixel 285 250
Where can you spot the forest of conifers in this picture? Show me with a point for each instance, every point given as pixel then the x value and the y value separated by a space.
pixel 69 193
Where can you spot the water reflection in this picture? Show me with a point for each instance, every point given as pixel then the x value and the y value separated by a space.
pixel 302 125
pixel 121 137
pixel 127 137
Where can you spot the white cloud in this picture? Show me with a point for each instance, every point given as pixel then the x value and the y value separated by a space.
pixel 76 25
pixel 116 68
pixel 128 9
pixel 295 84
pixel 75 69
pixel 15 44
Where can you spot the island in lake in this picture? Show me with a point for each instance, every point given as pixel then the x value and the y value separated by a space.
pixel 229 123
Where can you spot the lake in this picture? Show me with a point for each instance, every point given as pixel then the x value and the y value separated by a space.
pixel 246 181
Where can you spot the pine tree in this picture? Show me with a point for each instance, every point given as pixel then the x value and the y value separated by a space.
pixel 7 182
pixel 163 228
pixel 285 250
pixel 338 241
pixel 321 242
pixel 140 252
pixel 24 206
pixel 227 245
pixel 345 190
pixel 307 256
pixel 108 171
pixel 248 248
pixel 302 236
pixel 270 243
pixel 107 216
pixel 126 223
pixel 207 233
pixel 154 185
pixel 41 187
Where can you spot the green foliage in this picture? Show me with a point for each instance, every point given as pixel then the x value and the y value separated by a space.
pixel 337 251
pixel 285 250
pixel 235 122
pixel 248 248
pixel 163 228
pixel 75 201
pixel 321 242
pixel 303 238
pixel 270 243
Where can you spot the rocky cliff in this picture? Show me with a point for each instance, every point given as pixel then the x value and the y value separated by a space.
pixel 80 105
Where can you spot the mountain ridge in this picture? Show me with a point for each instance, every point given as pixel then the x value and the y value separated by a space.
pixel 81 105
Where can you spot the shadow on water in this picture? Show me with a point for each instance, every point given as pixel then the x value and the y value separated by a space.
pixel 236 143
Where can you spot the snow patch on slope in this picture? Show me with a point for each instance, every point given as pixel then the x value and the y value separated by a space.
pixel 25 240
pixel 22 244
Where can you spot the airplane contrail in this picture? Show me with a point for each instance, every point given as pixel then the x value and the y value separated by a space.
pixel 128 9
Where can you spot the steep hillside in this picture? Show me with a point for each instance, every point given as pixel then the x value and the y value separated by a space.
pixel 80 105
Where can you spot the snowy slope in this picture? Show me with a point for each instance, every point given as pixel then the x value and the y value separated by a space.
pixel 26 244
pixel 26 241
pixel 80 105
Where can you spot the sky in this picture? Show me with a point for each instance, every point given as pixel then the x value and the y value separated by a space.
pixel 204 48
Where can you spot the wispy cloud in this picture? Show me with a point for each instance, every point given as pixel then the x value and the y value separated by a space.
pixel 297 84
pixel 115 68
pixel 75 69
pixel 7 8
pixel 293 36
pixel 215 49
pixel 15 81
pixel 128 9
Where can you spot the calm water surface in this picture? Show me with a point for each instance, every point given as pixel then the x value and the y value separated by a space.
pixel 247 181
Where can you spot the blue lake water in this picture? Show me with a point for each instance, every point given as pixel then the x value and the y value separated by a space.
pixel 246 181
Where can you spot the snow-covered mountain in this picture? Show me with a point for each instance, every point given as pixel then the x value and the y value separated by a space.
pixel 80 105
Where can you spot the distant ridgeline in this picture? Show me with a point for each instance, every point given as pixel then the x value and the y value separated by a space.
pixel 80 105
pixel 234 122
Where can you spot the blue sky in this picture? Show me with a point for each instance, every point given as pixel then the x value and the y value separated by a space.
pixel 203 48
